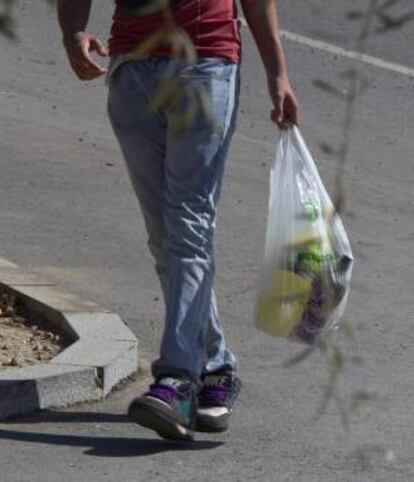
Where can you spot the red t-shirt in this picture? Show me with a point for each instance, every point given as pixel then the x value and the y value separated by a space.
pixel 211 24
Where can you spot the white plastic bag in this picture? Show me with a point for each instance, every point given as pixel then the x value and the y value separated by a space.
pixel 307 265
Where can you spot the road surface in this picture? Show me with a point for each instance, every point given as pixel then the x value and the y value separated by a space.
pixel 68 212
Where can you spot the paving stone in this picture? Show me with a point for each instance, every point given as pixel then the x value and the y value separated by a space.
pixel 5 263
pixel 115 360
pixel 17 277
pixel 103 326
pixel 56 298
pixel 119 369
pixel 24 390
pixel 104 350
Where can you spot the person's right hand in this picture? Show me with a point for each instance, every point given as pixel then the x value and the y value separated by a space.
pixel 79 47
pixel 285 106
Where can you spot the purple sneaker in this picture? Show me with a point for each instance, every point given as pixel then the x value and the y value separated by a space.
pixel 168 408
pixel 216 400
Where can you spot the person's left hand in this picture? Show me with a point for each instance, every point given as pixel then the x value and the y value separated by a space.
pixel 285 105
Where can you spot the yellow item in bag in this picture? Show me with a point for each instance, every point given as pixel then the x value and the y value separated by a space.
pixel 281 308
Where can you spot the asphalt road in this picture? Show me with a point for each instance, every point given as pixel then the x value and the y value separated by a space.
pixel 68 212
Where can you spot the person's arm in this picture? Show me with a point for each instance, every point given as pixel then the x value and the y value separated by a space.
pixel 262 19
pixel 73 18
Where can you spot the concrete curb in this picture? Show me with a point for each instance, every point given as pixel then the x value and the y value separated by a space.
pixel 103 351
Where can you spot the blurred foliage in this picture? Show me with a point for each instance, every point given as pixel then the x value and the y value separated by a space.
pixel 8 22
pixel 338 348
pixel 379 18
pixel 189 100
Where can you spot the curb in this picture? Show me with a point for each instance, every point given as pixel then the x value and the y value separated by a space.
pixel 103 350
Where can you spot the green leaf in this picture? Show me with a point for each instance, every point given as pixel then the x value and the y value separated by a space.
pixel 184 47
pixel 347 329
pixel 185 119
pixel 169 93
pixel 327 87
pixel 360 398
pixel 299 357
pixel 7 27
pixel 153 41
pixel 337 359
pixel 326 148
pixel 206 107
pixel 354 15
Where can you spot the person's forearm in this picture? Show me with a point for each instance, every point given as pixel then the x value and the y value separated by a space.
pixel 73 15
pixel 73 18
pixel 262 19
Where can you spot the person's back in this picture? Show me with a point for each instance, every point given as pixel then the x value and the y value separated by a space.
pixel 212 26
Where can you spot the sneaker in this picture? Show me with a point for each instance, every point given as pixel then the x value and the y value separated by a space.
pixel 168 408
pixel 215 401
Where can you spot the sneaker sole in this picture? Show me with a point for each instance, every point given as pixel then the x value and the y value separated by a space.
pixel 149 414
pixel 207 424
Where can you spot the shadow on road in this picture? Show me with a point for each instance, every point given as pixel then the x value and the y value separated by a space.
pixel 56 416
pixel 109 446
pixel 98 446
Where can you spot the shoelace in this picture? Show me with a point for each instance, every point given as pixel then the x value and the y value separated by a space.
pixel 213 396
pixel 164 392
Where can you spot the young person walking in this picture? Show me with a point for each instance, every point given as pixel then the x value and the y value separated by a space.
pixel 177 179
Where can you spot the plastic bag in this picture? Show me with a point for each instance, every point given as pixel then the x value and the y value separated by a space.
pixel 306 271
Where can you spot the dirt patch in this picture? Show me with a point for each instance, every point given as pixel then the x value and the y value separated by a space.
pixel 24 341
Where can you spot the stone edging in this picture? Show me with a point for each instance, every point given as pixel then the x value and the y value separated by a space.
pixel 103 350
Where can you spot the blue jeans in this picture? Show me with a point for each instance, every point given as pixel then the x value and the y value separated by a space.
pixel 177 179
